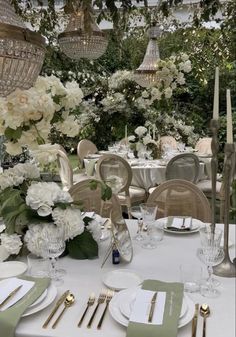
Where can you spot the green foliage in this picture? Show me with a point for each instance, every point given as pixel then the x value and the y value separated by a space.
pixel 83 246
pixel 106 191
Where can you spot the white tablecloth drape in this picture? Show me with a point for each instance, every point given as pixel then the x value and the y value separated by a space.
pixel 162 263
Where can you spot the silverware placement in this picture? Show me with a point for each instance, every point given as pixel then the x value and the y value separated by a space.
pixel 109 296
pixel 204 312
pixel 101 299
pixel 70 299
pixel 194 320
pixel 90 302
pixel 54 310
pixel 152 308
pixel 9 297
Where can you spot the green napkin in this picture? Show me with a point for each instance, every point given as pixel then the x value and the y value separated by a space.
pixel 173 304
pixel 9 318
pixel 90 167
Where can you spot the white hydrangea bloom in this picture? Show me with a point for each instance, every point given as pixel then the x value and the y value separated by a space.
pixel 95 229
pixel 69 127
pixel 70 219
pixel 140 131
pixel 73 97
pixel 35 240
pixel 12 243
pixel 117 79
pixel 168 92
pixel 13 148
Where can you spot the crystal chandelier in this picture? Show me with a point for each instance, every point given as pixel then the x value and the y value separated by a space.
pixel 21 52
pixel 77 43
pixel 146 74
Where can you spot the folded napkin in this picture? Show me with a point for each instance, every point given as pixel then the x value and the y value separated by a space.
pixel 166 314
pixel 9 285
pixel 179 223
pixel 90 167
pixel 10 317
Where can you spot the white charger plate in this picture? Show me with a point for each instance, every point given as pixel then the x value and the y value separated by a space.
pixel 39 299
pixel 114 309
pixel 51 295
pixel 196 224
pixel 121 279
pixel 12 268
pixel 127 304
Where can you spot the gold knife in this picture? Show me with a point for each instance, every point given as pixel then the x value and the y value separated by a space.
pixel 153 303
pixel 10 296
pixel 54 310
pixel 194 320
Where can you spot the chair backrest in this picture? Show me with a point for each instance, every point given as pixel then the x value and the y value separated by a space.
pixel 84 148
pixel 183 166
pixel 65 169
pixel 115 171
pixel 179 197
pixel 91 200
pixel 203 146
pixel 170 141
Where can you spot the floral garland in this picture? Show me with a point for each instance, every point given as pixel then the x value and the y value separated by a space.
pixel 30 207
pixel 28 116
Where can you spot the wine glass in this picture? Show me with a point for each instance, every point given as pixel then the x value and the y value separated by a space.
pixel 149 215
pixel 137 214
pixel 54 245
pixel 210 254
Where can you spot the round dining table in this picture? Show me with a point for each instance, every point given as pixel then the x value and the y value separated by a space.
pixel 162 263
pixel 145 173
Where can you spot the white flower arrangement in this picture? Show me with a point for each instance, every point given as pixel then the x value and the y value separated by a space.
pixel 31 207
pixel 27 116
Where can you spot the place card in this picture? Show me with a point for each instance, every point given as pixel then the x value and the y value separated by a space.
pixel 8 285
pixel 179 223
pixel 142 305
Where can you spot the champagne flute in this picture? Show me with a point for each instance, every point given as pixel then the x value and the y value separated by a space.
pixel 149 215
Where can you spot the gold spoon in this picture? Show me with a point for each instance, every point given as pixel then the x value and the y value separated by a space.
pixel 67 303
pixel 204 312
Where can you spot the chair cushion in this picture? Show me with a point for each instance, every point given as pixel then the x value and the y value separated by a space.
pixel 135 193
pixel 205 186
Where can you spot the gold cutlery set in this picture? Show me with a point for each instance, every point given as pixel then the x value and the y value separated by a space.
pixel 9 297
pixel 68 300
pixel 204 312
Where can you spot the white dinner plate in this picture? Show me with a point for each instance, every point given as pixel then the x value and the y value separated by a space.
pixel 114 309
pixel 196 224
pixel 121 279
pixel 127 304
pixel 51 295
pixel 39 299
pixel 12 268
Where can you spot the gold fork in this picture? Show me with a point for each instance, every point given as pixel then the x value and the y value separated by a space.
pixel 101 299
pixel 90 302
pixel 109 296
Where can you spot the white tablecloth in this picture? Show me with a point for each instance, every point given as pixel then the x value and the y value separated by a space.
pixel 84 277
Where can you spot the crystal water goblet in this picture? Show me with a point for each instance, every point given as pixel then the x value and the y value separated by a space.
pixel 149 212
pixel 210 256
pixel 137 214
pixel 54 245
pixel 208 238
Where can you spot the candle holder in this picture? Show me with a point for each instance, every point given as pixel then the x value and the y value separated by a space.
pixel 227 268
pixel 214 126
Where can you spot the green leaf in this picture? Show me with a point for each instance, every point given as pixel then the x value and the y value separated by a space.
pixel 13 134
pixel 83 246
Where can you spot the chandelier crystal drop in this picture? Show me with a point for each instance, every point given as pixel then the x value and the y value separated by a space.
pixel 77 43
pixel 21 52
pixel 146 74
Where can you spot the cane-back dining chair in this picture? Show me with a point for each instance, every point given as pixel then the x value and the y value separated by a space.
pixel 183 166
pixel 84 148
pixel 179 197
pixel 91 199
pixel 117 173
pixel 68 178
pixel 206 187
pixel 203 146
pixel 169 141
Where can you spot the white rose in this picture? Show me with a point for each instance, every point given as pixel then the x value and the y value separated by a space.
pixel 168 92
pixel 131 138
pixel 13 148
